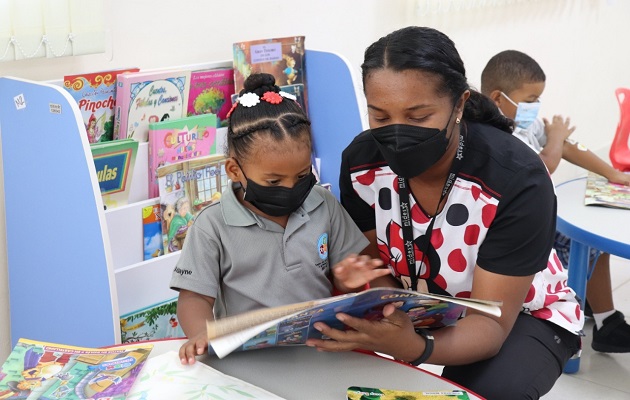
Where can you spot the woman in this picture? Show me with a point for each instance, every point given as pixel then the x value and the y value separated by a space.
pixel 439 169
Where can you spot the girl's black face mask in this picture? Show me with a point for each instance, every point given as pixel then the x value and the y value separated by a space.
pixel 410 150
pixel 277 201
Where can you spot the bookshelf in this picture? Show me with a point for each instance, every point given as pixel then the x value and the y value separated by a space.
pixel 75 268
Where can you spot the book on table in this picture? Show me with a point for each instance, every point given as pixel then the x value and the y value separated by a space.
pixel 367 393
pixel 292 324
pixel 600 192
pixel 42 370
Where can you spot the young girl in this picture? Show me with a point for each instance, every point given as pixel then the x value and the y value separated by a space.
pixel 275 237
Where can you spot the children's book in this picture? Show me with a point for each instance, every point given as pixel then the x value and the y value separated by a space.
pixel 600 192
pixel 158 321
pixel 145 97
pixel 185 188
pixel 152 231
pixel 365 393
pixel 42 370
pixel 164 377
pixel 95 94
pixel 282 57
pixel 114 162
pixel 211 91
pixel 292 324
pixel 178 140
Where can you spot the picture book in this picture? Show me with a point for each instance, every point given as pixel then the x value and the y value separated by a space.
pixel 364 393
pixel 177 140
pixel 158 321
pixel 282 57
pixel 600 192
pixel 114 162
pixel 185 188
pixel 292 324
pixel 95 94
pixel 211 91
pixel 145 97
pixel 164 377
pixel 41 370
pixel 152 231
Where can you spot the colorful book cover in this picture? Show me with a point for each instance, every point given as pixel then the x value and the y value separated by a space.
pixel 282 57
pixel 178 140
pixel 185 188
pixel 145 97
pixel 366 393
pixel 293 324
pixel 114 162
pixel 211 92
pixel 158 321
pixel 164 377
pixel 41 370
pixel 95 94
pixel 152 231
pixel 600 192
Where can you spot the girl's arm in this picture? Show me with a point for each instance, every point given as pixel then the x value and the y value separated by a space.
pixel 193 311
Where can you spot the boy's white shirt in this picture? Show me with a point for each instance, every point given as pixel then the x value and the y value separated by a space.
pixel 534 136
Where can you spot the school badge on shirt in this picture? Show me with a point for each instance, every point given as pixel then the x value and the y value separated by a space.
pixel 322 246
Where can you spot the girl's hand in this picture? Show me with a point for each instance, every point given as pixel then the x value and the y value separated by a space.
pixel 195 346
pixel 356 271
pixel 393 335
pixel 619 178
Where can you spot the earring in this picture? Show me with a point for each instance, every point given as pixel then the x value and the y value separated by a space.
pixel 457 120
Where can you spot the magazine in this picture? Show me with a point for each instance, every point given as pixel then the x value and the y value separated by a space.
pixel 164 377
pixel 42 370
pixel 292 324
pixel 365 393
pixel 600 192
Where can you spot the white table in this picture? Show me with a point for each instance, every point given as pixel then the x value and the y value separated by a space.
pixel 287 371
pixel 606 229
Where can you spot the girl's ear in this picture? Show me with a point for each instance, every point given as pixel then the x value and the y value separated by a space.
pixel 233 170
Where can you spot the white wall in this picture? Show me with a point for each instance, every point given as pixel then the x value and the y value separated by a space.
pixel 579 44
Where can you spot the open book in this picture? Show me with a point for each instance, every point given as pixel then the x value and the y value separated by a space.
pixel 293 324
pixel 600 192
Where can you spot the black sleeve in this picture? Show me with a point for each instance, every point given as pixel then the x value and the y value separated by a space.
pixel 520 238
pixel 361 212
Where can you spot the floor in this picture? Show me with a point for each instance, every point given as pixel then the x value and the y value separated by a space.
pixel 601 375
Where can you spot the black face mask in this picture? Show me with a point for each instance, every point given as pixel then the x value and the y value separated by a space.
pixel 410 150
pixel 278 200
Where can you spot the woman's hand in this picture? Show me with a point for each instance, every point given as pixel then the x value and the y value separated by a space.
pixel 195 346
pixel 356 271
pixel 393 335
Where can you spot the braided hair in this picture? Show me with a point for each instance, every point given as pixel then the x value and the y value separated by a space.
pixel 280 121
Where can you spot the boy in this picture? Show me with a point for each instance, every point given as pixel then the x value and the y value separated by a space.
pixel 515 82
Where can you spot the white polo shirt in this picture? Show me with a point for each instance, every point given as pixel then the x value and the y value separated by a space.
pixel 248 262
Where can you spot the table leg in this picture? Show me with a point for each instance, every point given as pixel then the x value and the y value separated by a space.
pixel 578 270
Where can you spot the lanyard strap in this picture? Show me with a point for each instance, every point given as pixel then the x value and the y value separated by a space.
pixel 405 214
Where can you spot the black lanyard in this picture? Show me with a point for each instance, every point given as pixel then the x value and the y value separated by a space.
pixel 405 214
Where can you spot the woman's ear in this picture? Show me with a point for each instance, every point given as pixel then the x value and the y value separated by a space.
pixel 233 170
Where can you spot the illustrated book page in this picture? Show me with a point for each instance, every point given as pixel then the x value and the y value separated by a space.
pixel 365 393
pixel 293 324
pixel 158 321
pixel 145 97
pixel 41 370
pixel 95 94
pixel 185 188
pixel 164 377
pixel 600 192
pixel 179 139
pixel 211 91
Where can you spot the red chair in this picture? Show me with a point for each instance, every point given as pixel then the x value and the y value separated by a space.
pixel 619 151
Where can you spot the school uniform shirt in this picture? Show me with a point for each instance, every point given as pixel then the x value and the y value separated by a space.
pixel 246 262
pixel 499 214
pixel 534 136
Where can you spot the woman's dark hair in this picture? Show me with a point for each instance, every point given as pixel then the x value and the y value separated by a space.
pixel 429 50
pixel 280 121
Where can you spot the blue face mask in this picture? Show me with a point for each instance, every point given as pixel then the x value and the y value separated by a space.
pixel 526 113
